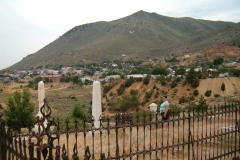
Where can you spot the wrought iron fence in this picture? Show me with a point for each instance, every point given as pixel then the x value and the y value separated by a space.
pixel 205 134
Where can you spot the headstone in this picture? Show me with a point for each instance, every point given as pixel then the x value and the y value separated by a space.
pixel 153 107
pixel 96 103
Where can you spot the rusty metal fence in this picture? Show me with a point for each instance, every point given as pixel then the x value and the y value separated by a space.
pixel 206 134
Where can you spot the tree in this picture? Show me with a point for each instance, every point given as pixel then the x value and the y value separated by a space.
pixel 223 87
pixel 19 112
pixel 208 93
pixel 195 83
pixel 195 92
pixel 79 112
pixel 146 80
pixel 129 101
pixel 159 71
pixel 202 105
pixel 75 79
pixel 180 71
pixel 191 76
pixel 218 61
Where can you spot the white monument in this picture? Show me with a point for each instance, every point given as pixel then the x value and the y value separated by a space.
pixel 41 96
pixel 96 103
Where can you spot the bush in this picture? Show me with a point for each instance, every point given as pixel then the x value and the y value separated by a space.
pixel 183 99
pixel 208 93
pixel 79 113
pixel 175 109
pixel 163 83
pixel 146 80
pixel 128 83
pixel 121 89
pixel 191 98
pixel 195 83
pixel 156 94
pixel 223 87
pixel 178 79
pixel 111 94
pixel 195 92
pixel 129 101
pixel 173 84
pixel 138 117
pixel 134 92
pixel 107 88
pixel 202 105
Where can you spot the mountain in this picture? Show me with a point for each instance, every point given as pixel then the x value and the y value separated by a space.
pixel 138 36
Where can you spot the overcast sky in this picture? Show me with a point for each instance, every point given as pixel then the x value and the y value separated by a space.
pixel 29 25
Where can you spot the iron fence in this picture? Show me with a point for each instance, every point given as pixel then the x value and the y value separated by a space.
pixel 206 134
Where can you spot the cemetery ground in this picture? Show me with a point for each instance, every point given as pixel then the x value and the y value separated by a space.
pixel 133 139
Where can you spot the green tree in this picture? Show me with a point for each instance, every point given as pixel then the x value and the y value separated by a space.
pixel 159 70
pixel 19 112
pixel 195 92
pixel 218 61
pixel 191 76
pixel 195 83
pixel 208 93
pixel 202 105
pixel 129 101
pixel 146 80
pixel 79 112
pixel 223 87
pixel 75 80
pixel 121 89
pixel 180 71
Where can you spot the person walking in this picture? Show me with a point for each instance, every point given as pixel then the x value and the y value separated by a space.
pixel 164 110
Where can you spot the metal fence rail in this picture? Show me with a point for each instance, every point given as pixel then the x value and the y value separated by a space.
pixel 206 134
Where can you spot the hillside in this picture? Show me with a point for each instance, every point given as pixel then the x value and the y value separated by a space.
pixel 138 36
pixel 62 96
pixel 232 91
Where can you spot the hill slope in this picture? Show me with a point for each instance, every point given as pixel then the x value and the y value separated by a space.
pixel 138 36
pixel 232 90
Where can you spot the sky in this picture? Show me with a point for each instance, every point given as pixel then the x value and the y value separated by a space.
pixel 26 26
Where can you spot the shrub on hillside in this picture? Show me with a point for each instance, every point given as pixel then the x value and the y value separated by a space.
pixel 128 101
pixel 107 88
pixel 195 83
pixel 183 99
pixel 121 89
pixel 163 83
pixel 146 80
pixel 195 92
pixel 208 93
pixel 128 83
pixel 178 79
pixel 134 92
pixel 173 84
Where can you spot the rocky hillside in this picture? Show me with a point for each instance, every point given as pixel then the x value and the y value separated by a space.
pixel 63 100
pixel 139 36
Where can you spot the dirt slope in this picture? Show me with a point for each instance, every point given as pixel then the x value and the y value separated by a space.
pixel 232 86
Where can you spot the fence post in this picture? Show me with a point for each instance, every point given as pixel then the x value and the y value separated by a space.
pixel 3 151
pixel 189 133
